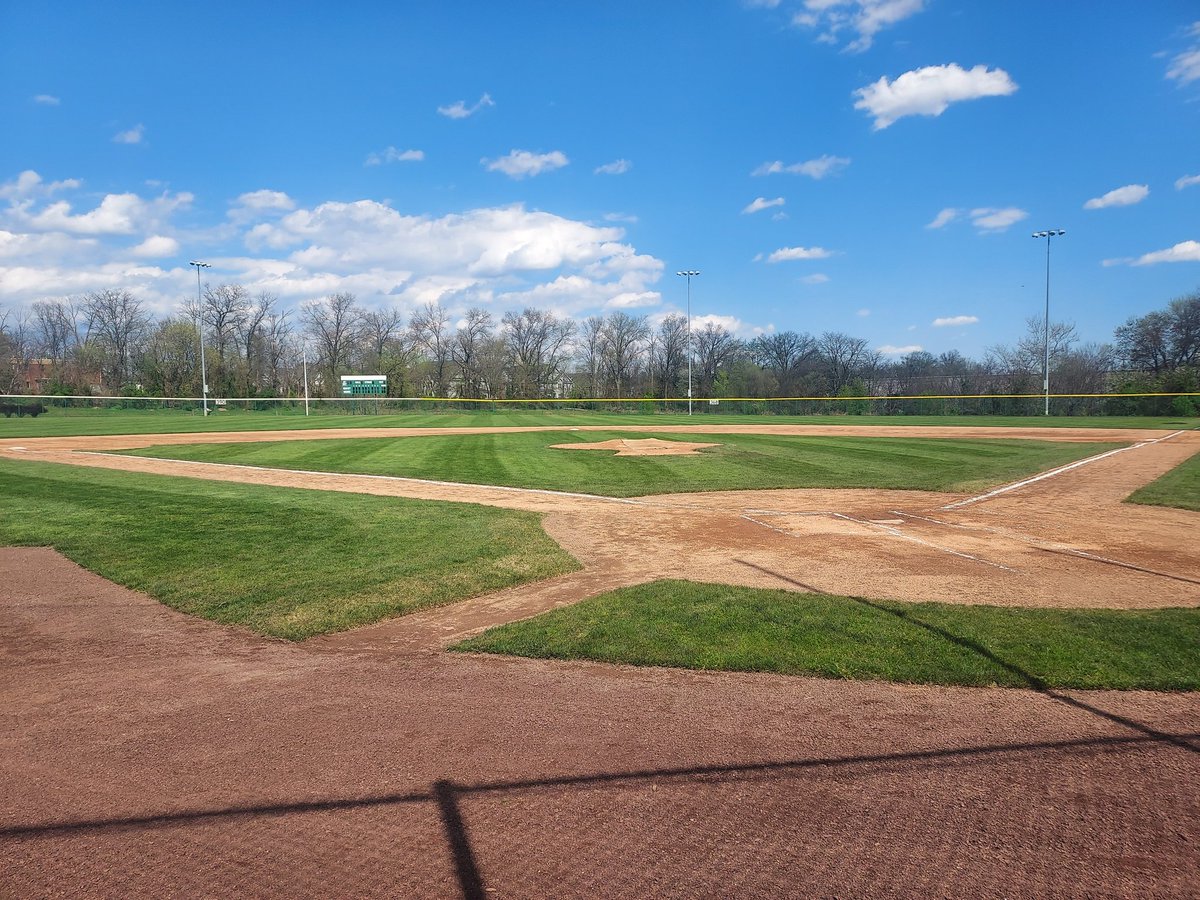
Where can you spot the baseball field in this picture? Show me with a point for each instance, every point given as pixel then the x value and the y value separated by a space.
pixel 745 656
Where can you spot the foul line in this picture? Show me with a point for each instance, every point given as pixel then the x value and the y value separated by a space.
pixel 1058 471
pixel 398 478
pixel 894 532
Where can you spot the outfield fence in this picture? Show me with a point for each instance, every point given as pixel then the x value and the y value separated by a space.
pixel 1131 404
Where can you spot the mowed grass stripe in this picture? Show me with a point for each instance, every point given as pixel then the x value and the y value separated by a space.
pixel 708 626
pixel 90 421
pixel 1179 488
pixel 740 462
pixel 283 562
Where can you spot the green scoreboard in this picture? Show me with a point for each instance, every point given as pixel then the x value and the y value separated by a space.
pixel 364 385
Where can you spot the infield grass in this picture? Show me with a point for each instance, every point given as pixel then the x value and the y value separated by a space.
pixel 739 462
pixel 86 421
pixel 283 562
pixel 708 626
pixel 1179 488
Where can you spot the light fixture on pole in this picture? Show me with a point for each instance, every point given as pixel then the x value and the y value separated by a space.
pixel 688 275
pixel 1046 333
pixel 200 328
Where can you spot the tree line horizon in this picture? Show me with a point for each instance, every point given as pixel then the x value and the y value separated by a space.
pixel 107 342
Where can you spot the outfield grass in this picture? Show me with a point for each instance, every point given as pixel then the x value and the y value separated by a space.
pixel 706 626
pixel 68 422
pixel 740 462
pixel 283 562
pixel 1180 487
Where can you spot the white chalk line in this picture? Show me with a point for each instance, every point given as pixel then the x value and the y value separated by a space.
pixel 395 478
pixel 1048 546
pixel 1061 469
pixel 894 532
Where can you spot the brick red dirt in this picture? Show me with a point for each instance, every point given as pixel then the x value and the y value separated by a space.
pixel 145 752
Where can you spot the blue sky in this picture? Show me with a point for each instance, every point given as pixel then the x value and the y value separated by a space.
pixel 574 156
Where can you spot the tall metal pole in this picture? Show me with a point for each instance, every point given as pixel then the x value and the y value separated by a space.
pixel 305 357
pixel 688 275
pixel 200 328
pixel 1046 325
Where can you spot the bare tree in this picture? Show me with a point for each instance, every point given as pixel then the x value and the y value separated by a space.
pixel 118 323
pixel 539 344
pixel 250 335
pixel 335 326
pixel 1028 355
pixel 430 330
pixel 1163 340
pixel 625 338
pixel 843 358
pixel 716 348
pixel 668 355
pixel 467 349
pixel 591 351
pixel 784 355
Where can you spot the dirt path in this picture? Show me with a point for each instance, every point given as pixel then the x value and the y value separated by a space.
pixel 146 753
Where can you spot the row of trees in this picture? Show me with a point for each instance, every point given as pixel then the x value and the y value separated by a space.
pixel 107 342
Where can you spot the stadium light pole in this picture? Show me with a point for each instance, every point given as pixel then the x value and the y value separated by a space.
pixel 200 328
pixel 688 275
pixel 1046 333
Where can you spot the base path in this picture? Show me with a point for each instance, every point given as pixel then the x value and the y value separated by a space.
pixel 147 753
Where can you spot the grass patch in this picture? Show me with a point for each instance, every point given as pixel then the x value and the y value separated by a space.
pixel 283 562
pixel 707 626
pixel 741 462
pixel 1179 488
pixel 63 422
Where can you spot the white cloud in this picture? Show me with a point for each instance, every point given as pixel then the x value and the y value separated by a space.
pixel 787 254
pixel 761 203
pixel 947 215
pixel 814 168
pixel 123 214
pixel 990 218
pixel 732 324
pixel 523 164
pixel 265 201
pixel 866 18
pixel 815 278
pixel 890 350
pixel 259 204
pixel 616 167
pixel 929 91
pixel 1185 251
pixel 863 313
pixel 30 184
pixel 1122 196
pixel 951 321
pixel 501 257
pixel 621 217
pixel 46 100
pixel 460 110
pixel 1185 66
pixel 133 136
pixel 156 247
pixel 391 155
pixel 1186 181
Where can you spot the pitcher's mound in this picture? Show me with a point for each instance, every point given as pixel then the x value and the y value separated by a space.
pixel 644 447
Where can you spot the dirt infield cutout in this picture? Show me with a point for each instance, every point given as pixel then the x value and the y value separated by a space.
pixel 642 447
